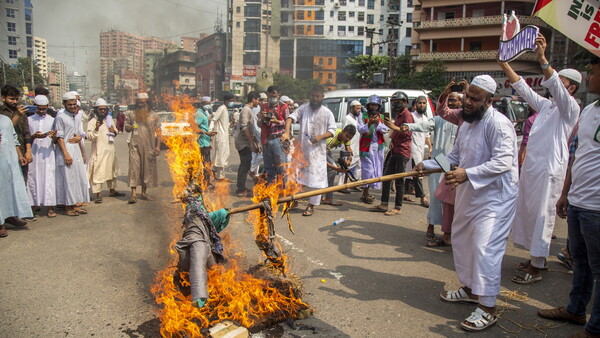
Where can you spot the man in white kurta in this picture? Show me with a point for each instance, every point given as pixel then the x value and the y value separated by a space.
pixel 41 177
pixel 417 147
pixel 102 165
pixel 486 182
pixel 545 164
pixel 71 177
pixel 220 120
pixel 13 193
pixel 317 124
pixel 352 118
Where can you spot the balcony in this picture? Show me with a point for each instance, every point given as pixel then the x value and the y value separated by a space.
pixel 479 55
pixel 478 21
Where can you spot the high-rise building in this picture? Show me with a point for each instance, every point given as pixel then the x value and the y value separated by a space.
pixel 16 35
pixel 188 43
pixel 41 55
pixel 176 74
pixel 122 64
pixel 465 35
pixel 210 64
pixel 57 81
pixel 78 82
pixel 253 33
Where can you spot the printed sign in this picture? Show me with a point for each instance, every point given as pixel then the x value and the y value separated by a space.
pixel 514 41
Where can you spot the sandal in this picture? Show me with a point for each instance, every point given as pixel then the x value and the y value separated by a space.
pixel 459 295
pixel 72 213
pixel 332 202
pixel 146 198
pixel 368 199
pixel 522 266
pixel 51 213
pixel 478 320
pixel 408 198
pixel 526 278
pixel 308 211
pixel 98 200
pixel 437 243
pixel 80 211
pixel 117 194
pixel 393 212
pixel 425 203
pixel 132 200
pixel 379 208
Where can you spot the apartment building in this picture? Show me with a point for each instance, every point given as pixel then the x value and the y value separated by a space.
pixel 16 35
pixel 57 81
pixel 41 55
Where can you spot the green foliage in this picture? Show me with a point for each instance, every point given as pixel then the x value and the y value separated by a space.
pixel 21 75
pixel 362 67
pixel 297 89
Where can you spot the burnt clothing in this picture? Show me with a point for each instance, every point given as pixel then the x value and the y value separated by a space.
pixel 21 128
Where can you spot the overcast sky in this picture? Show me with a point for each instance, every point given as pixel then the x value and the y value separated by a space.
pixel 68 23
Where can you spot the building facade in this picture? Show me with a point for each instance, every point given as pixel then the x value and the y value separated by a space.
pixel 16 35
pixel 122 63
pixel 176 74
pixel 41 55
pixel 465 35
pixel 78 82
pixel 210 65
pixel 57 81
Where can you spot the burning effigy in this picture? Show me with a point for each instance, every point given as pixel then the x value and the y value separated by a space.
pixel 204 283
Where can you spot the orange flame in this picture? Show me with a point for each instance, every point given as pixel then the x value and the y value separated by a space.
pixel 234 294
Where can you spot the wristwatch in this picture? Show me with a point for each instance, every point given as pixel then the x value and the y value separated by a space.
pixel 545 66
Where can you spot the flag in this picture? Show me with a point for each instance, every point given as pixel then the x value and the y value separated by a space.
pixel 579 20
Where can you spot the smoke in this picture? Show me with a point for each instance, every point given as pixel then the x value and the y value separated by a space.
pixel 72 27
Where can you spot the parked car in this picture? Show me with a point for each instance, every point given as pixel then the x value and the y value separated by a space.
pixel 513 107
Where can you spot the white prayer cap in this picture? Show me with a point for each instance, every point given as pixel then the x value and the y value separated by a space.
pixel 291 102
pixel 41 100
pixel 485 82
pixel 100 103
pixel 296 105
pixel 69 96
pixel 141 96
pixel 571 74
pixel 355 103
pixel 285 99
pixel 263 96
pixel 205 99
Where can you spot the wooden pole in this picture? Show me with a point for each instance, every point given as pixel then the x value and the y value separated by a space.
pixel 333 189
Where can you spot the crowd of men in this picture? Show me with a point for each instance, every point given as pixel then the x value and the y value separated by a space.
pixel 46 161
pixel 493 190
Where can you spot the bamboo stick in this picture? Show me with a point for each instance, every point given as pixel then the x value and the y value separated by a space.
pixel 333 189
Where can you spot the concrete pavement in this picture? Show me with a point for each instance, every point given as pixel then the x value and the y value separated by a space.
pixel 370 276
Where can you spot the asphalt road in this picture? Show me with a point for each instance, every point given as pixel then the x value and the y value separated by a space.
pixel 370 276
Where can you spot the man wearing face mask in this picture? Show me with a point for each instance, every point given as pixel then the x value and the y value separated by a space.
pixel 102 166
pixel 400 153
pixel 201 118
pixel 41 177
pixel 317 124
pixel 221 126
pixel 274 114
pixel 485 177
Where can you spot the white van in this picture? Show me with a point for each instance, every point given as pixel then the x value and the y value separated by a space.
pixel 338 101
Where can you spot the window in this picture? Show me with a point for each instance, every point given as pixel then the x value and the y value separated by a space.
pixel 330 61
pixel 12 40
pixel 370 4
pixel 350 29
pixel 370 19
pixel 252 58
pixel 318 30
pixel 10 13
pixel 29 42
pixel 380 49
pixel 331 28
pixel 331 14
pixel 382 17
pixel 28 29
pixel 252 26
pixel 329 75
pixel 319 2
pixel 342 16
pixel 28 14
pixel 11 26
pixel 320 15
pixel 285 4
pixel 368 50
pixel 409 3
pixel 351 14
pixel 252 10
pixel 12 2
pixel 12 53
pixel 284 17
pixel 408 17
pixel 449 15
pixel 361 2
pixel 238 9
pixel 380 32
pixel 407 50
pixel 300 30
pixel 475 45
pixel 361 31
pixel 341 28
pixel 361 16
pixel 408 32
pixel 299 15
pixel 237 24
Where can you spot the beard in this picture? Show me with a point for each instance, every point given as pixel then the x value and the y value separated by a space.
pixel 475 115
pixel 315 106
pixel 421 111
pixel 141 115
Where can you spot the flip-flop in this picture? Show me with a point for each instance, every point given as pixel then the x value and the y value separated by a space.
pixel 72 213
pixel 333 203
pixel 367 199
pixel 132 200
pixel 393 212
pixel 524 265
pixel 408 199
pixel 309 211
pixel 51 213
pixel 437 243
pixel 80 211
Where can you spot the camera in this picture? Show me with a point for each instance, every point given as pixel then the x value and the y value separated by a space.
pixel 457 88
pixel 267 117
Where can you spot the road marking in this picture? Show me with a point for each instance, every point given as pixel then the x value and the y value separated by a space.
pixel 315 261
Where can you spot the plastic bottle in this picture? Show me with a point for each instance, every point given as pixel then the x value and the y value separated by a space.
pixel 341 220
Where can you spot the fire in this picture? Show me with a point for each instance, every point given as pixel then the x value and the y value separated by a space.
pixel 234 294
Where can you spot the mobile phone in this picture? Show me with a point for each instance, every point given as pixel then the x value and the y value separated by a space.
pixel 443 162
pixel 457 88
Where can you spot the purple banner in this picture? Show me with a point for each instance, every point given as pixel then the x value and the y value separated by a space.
pixel 522 42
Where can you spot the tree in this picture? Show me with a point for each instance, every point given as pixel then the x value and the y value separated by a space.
pixel 297 89
pixel 20 75
pixel 362 67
